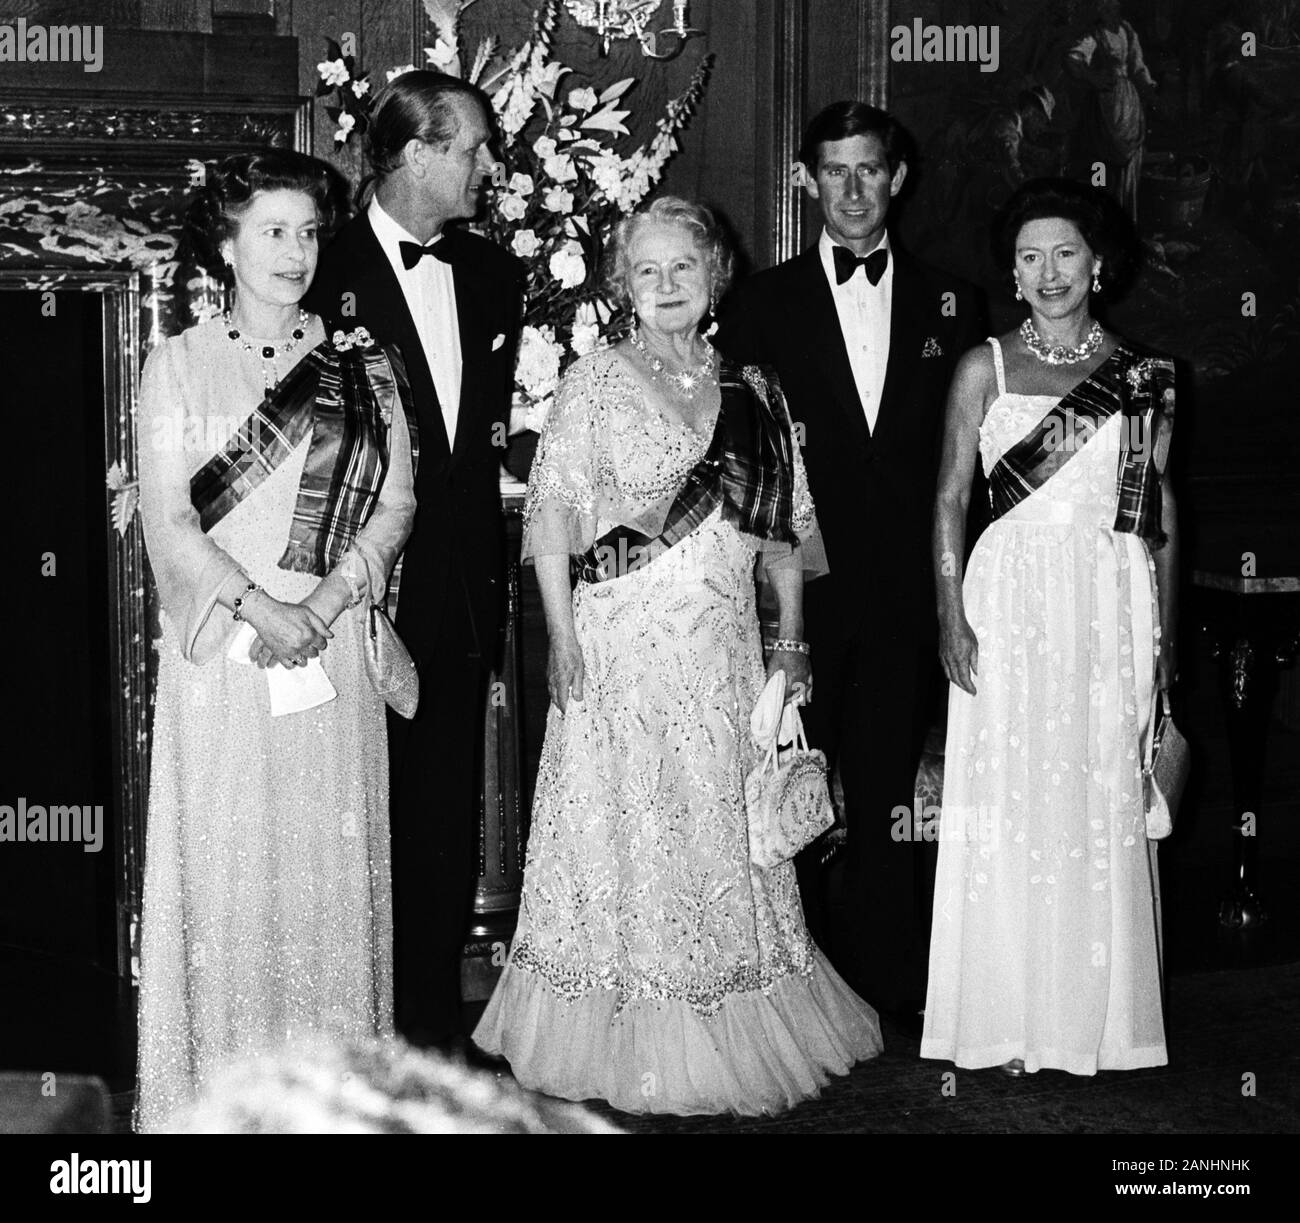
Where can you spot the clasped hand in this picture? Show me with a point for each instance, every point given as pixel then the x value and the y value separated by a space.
pixel 288 634
pixel 798 675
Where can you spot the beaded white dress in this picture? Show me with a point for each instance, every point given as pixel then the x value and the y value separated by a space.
pixel 267 899
pixel 653 966
pixel 1044 939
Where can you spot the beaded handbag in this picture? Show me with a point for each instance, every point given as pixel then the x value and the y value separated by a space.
pixel 389 664
pixel 787 802
pixel 1164 771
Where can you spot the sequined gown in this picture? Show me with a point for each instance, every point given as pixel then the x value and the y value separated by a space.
pixel 1044 939
pixel 267 899
pixel 652 966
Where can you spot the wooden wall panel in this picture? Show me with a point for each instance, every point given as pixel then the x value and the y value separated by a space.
pixel 123 14
pixel 193 15
pixel 313 22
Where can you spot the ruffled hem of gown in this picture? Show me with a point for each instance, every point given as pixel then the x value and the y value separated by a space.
pixel 760 1052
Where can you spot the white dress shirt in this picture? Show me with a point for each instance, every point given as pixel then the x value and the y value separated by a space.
pixel 430 292
pixel 864 322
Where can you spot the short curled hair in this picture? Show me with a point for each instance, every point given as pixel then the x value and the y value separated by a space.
pixel 1104 225
pixel 670 210
pixel 841 120
pixel 228 190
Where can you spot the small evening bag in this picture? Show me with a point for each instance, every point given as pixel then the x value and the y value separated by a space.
pixel 389 664
pixel 786 797
pixel 1165 769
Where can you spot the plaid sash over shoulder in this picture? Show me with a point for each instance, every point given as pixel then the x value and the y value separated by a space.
pixel 748 468
pixel 346 398
pixel 1140 388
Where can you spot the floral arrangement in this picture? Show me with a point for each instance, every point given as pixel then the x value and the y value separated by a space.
pixel 558 197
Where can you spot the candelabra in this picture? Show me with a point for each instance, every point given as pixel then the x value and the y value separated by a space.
pixel 613 19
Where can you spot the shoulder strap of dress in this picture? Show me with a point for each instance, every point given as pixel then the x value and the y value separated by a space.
pixel 997 365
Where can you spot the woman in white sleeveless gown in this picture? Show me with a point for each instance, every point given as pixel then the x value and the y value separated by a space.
pixel 1044 942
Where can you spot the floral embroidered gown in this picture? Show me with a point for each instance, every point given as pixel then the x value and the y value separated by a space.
pixel 653 966
pixel 1044 940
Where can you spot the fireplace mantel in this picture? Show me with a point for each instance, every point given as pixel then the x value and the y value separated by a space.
pixel 204 95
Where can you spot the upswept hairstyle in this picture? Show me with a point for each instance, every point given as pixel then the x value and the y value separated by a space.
pixel 672 210
pixel 1104 225
pixel 415 106
pixel 228 190
pixel 840 120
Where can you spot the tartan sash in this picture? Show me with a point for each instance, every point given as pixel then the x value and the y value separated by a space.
pixel 748 469
pixel 1139 387
pixel 345 398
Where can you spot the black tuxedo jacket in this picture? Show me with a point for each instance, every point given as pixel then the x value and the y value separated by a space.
pixel 873 489
pixel 456 547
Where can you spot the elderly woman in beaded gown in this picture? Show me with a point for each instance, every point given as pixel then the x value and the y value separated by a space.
pixel 1044 950
pixel 276 483
pixel 653 965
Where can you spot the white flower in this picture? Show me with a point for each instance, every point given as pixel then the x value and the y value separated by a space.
pixel 512 207
pixel 568 266
pixel 346 123
pixel 561 169
pixel 583 99
pixel 586 338
pixel 360 88
pixel 333 72
pixel 521 184
pixel 441 54
pixel 607 172
pixel 525 243
pixel 557 199
pixel 538 368
pixel 544 147
pixel 394 73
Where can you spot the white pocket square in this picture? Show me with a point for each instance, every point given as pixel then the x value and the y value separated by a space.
pixel 501 339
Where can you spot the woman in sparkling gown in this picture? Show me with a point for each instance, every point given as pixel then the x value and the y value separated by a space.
pixel 275 494
pixel 653 965
pixel 1044 944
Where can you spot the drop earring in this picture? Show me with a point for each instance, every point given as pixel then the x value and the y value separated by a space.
pixel 712 328
pixel 1019 295
pixel 1096 280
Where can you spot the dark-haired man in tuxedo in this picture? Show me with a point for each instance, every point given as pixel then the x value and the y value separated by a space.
pixel 451 302
pixel 864 340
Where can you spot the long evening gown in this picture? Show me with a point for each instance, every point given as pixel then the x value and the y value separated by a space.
pixel 1044 942
pixel 653 966
pixel 267 899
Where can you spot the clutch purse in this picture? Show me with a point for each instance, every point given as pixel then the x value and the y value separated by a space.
pixel 389 664
pixel 787 802
pixel 1165 769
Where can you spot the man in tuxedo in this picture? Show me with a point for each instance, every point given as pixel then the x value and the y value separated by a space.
pixel 864 340
pixel 451 302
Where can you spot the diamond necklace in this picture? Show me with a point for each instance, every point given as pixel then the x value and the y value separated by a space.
pixel 1060 354
pixel 687 381
pixel 268 352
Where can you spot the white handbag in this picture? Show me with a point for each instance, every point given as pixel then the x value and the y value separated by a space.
pixel 787 801
pixel 1165 767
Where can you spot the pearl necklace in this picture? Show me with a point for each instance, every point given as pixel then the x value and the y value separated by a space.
pixel 268 352
pixel 1060 354
pixel 687 381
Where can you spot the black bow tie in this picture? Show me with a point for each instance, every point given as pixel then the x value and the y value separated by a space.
pixel 413 252
pixel 846 263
